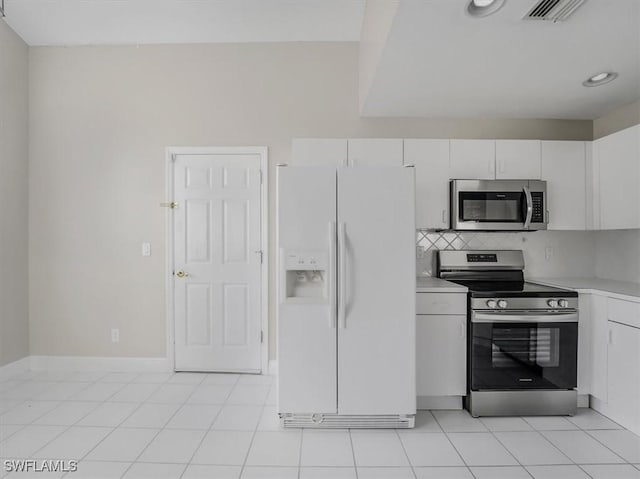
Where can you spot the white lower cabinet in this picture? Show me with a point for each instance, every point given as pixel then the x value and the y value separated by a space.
pixel 623 400
pixel 609 350
pixel 441 350
pixel 441 355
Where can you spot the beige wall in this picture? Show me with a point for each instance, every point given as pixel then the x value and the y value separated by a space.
pixel 100 118
pixel 616 120
pixel 14 334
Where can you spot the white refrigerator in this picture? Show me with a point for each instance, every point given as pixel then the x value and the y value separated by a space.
pixel 346 296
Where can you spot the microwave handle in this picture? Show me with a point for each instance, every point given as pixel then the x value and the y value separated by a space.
pixel 527 194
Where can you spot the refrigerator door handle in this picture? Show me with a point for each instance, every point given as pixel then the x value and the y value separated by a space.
pixel 331 270
pixel 342 282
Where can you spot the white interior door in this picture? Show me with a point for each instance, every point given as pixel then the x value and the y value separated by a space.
pixel 376 284
pixel 217 262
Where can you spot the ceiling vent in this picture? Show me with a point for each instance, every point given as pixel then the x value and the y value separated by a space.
pixel 553 10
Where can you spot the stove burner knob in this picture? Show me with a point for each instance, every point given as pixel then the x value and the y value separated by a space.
pixel 563 303
pixel 492 303
pixel 552 303
pixel 502 303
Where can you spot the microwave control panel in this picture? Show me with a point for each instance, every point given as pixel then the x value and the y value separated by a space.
pixel 537 198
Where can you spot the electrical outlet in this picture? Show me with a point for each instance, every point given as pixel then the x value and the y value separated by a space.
pixel 115 335
pixel 146 249
pixel 548 252
pixel 420 251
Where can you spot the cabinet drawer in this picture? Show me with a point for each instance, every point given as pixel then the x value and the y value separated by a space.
pixel 625 312
pixel 441 303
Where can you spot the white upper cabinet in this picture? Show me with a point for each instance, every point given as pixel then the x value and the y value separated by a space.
pixel 617 166
pixel 472 159
pixel 564 169
pixel 518 159
pixel 431 161
pixel 319 152
pixel 375 151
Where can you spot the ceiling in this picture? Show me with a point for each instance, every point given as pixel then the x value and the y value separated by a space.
pixel 439 62
pixel 429 59
pixel 113 22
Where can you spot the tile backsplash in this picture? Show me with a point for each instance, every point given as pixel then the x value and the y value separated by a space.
pixel 546 253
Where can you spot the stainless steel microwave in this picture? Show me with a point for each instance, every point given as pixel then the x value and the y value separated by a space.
pixel 499 205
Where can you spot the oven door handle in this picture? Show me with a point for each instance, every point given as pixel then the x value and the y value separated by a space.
pixel 524 318
pixel 527 220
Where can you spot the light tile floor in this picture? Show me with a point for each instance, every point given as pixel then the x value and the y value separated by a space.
pixel 187 425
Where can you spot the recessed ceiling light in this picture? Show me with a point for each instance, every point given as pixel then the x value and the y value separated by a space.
pixel 482 8
pixel 600 79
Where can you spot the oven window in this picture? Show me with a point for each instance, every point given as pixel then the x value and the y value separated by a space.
pixel 493 207
pixel 523 355
pixel 534 346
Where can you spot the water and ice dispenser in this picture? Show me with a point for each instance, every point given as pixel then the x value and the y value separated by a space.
pixel 305 276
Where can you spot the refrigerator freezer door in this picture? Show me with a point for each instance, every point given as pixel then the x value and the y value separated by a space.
pixel 376 336
pixel 307 356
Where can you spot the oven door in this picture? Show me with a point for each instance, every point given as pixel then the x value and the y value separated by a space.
pixel 523 350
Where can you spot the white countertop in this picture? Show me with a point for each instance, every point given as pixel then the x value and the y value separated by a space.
pixel 617 289
pixel 428 284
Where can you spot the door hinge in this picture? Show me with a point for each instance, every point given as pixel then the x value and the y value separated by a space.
pixel 262 336
pixel 173 205
pixel 259 251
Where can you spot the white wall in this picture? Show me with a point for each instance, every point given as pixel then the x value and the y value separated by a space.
pixel 100 118
pixel 14 336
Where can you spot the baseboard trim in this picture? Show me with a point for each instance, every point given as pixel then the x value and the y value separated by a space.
pixel 583 400
pixel 92 363
pixel 19 366
pixel 439 402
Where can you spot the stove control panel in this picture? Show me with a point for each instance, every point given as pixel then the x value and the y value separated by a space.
pixel 497 303
pixel 558 303
pixel 523 303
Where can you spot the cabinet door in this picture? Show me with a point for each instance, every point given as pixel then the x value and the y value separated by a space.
pixel 619 179
pixel 375 151
pixel 472 159
pixel 431 161
pixel 564 170
pixel 319 152
pixel 624 375
pixel 518 159
pixel 599 346
pixel 441 355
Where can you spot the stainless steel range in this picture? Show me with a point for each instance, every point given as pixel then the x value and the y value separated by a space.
pixel 523 337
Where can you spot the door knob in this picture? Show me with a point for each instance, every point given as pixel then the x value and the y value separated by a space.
pixel 181 274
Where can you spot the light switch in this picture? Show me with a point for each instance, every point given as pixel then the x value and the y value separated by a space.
pixel 146 249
